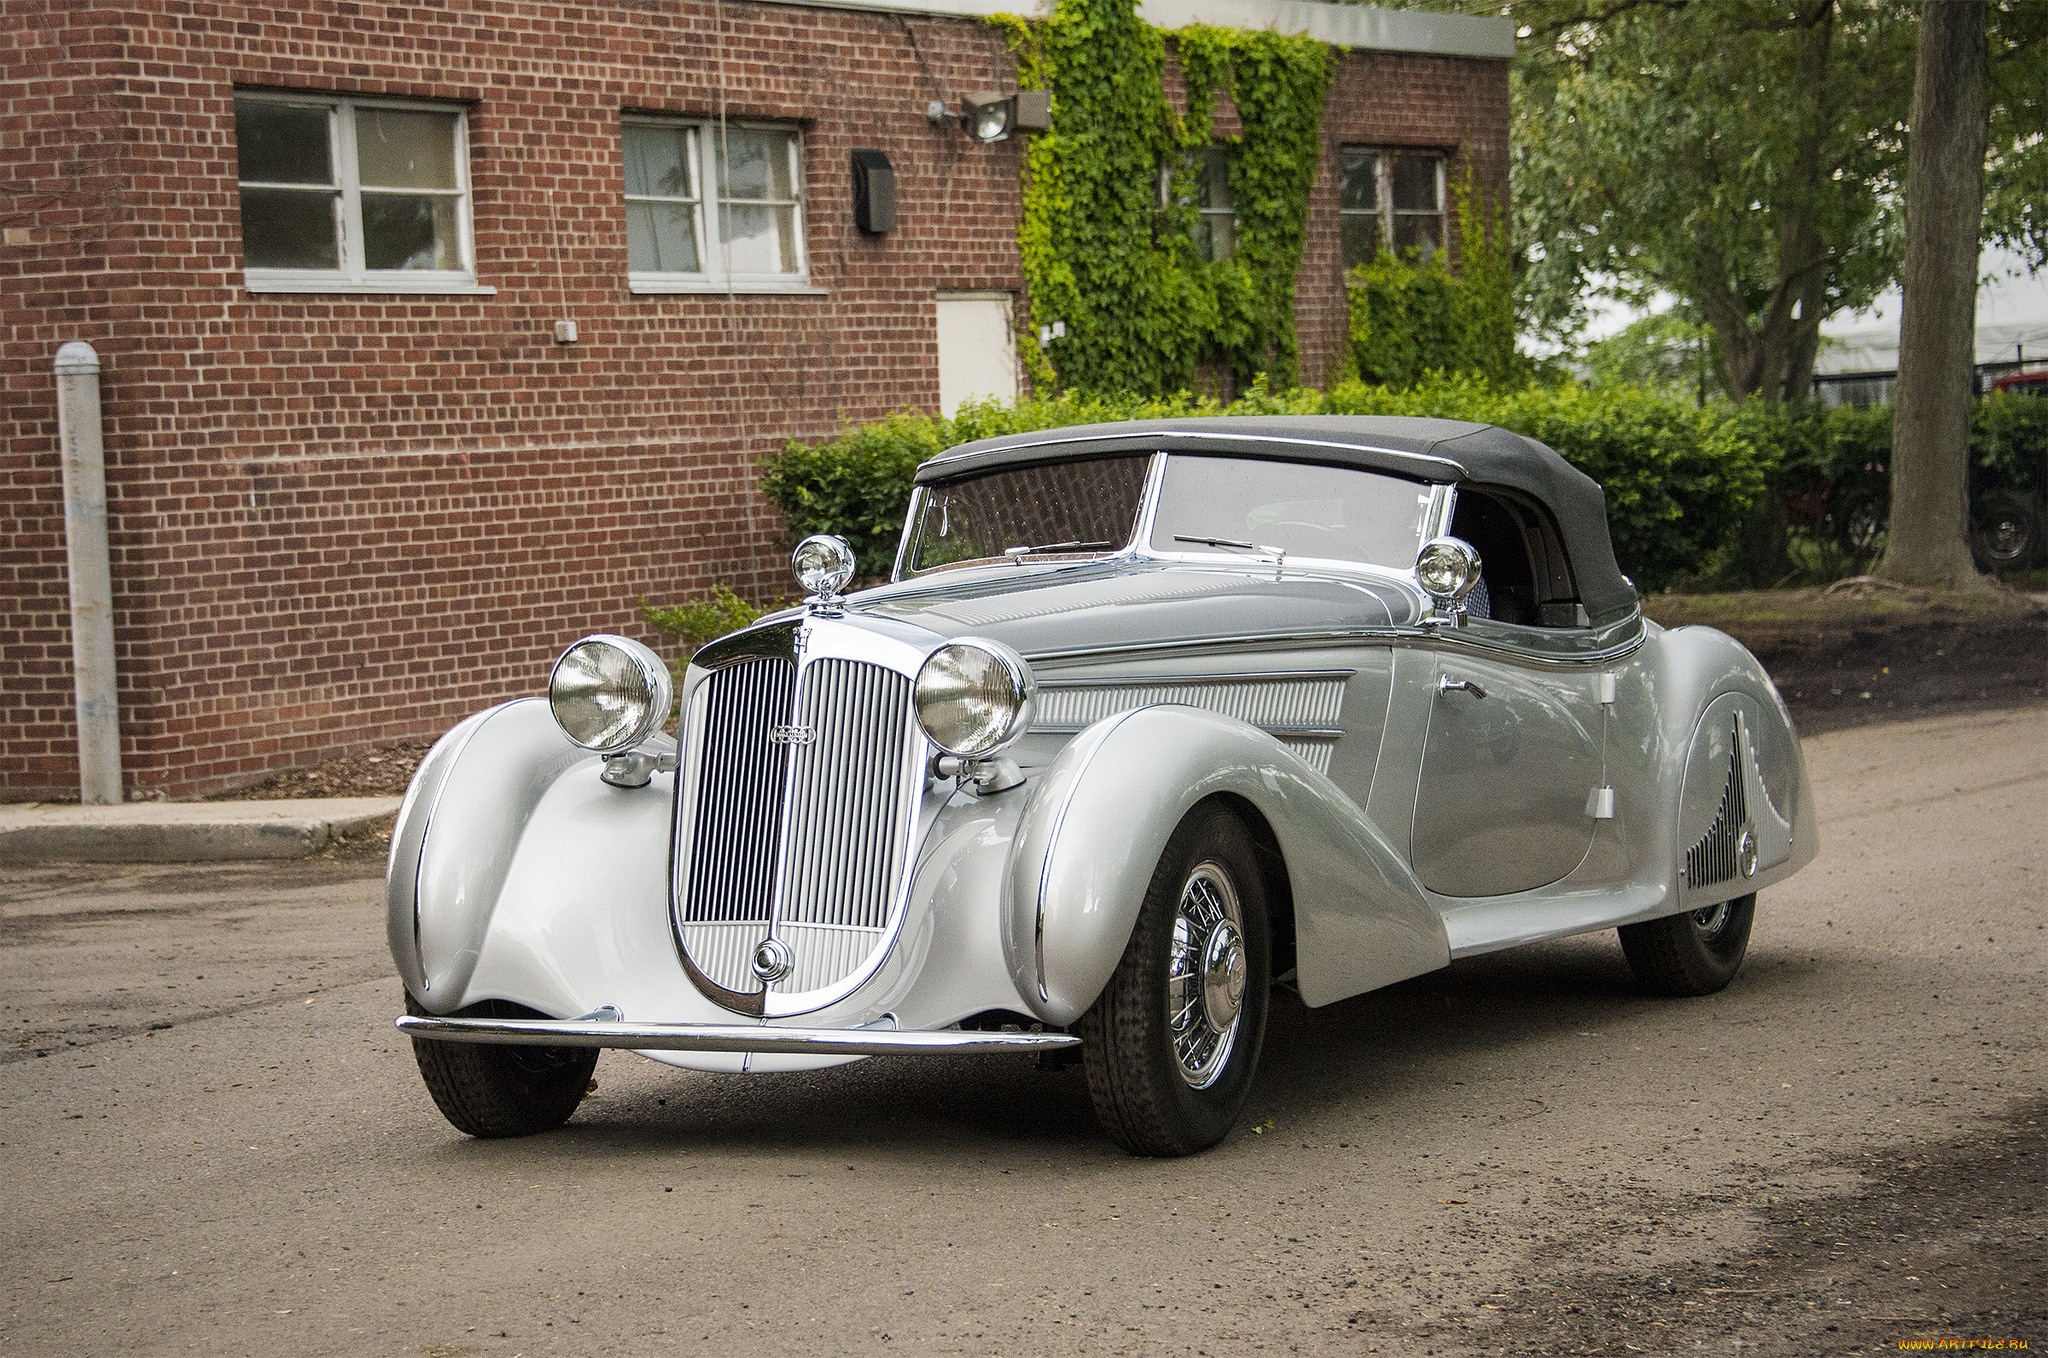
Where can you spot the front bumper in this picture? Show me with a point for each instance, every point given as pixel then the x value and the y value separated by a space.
pixel 708 1037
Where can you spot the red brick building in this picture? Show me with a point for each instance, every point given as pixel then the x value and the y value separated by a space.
pixel 361 480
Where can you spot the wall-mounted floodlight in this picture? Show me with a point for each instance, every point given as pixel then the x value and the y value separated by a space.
pixel 991 117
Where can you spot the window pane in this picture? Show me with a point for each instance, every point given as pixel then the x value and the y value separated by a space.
pixel 759 165
pixel 658 162
pixel 1358 180
pixel 279 144
pixel 1361 238
pixel 662 238
pixel 402 149
pixel 1331 512
pixel 1418 233
pixel 761 239
pixel 404 231
pixel 1415 183
pixel 1215 177
pixel 1215 236
pixel 1081 502
pixel 289 229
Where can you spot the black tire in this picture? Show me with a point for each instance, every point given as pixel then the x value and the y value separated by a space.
pixel 489 1090
pixel 2005 532
pixel 1156 1090
pixel 1695 953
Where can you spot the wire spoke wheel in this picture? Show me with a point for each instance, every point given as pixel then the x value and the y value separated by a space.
pixel 1206 976
pixel 1171 1045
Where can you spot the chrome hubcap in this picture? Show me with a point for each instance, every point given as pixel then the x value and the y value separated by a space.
pixel 1207 976
pixel 1711 920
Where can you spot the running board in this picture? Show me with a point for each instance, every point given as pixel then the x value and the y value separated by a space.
pixel 710 1037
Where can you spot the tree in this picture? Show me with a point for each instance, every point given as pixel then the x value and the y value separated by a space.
pixel 1740 156
pixel 1928 542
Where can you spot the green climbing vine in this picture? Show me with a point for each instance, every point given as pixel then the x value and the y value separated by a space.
pixel 1114 258
pixel 1413 316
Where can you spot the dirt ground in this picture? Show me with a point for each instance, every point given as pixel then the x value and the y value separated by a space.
pixel 1864 653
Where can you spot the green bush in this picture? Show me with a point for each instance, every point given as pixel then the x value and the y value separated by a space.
pixel 1680 478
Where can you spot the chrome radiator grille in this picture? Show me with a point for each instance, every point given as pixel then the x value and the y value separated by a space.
pixel 803 836
pixel 739 776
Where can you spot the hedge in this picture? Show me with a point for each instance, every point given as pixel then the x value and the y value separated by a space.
pixel 1679 478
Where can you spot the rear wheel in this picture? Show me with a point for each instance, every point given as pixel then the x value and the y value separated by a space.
pixel 489 1090
pixel 1171 1045
pixel 2005 532
pixel 1696 953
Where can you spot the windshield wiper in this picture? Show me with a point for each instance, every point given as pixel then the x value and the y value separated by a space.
pixel 1016 553
pixel 1277 553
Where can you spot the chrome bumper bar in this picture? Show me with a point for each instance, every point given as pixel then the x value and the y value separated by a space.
pixel 711 1037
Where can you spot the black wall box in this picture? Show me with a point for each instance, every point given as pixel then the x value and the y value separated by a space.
pixel 874 191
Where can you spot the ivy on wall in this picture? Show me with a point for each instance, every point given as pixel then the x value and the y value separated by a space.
pixel 1115 260
pixel 1413 316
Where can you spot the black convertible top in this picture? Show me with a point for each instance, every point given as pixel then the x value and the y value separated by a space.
pixel 1437 451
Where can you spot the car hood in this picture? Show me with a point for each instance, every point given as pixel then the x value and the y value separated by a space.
pixel 1046 610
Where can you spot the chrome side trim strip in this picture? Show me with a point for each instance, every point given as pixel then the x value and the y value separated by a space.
pixel 1162 680
pixel 1453 638
pixel 716 1037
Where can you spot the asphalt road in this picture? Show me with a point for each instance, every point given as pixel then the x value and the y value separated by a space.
pixel 215 1143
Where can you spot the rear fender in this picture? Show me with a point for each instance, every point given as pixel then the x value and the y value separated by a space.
pixel 1096 823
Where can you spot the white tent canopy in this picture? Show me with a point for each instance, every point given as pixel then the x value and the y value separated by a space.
pixel 2012 323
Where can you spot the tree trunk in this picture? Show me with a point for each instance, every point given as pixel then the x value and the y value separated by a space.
pixel 1929 539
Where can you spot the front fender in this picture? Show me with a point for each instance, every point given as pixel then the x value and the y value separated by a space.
pixel 1098 820
pixel 462 818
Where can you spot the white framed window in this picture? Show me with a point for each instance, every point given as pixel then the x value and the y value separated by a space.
pixel 1390 199
pixel 353 195
pixel 711 208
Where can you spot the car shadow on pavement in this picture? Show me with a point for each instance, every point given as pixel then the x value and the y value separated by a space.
pixel 1375 1052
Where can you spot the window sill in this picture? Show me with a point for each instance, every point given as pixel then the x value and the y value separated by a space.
pixel 412 287
pixel 649 285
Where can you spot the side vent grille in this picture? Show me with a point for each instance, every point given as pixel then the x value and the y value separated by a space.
pixel 1716 857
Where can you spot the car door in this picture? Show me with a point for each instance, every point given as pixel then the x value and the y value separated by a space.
pixel 1507 793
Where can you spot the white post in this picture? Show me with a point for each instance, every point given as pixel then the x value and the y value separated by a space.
pixel 92 582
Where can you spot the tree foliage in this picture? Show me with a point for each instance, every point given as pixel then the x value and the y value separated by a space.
pixel 1743 156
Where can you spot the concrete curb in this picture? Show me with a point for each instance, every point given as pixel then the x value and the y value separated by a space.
pixel 182 832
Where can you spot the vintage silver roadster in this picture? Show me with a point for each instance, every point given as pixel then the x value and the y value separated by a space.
pixel 1151 719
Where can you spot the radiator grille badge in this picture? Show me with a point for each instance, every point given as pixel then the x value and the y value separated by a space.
pixel 791 735
pixel 772 959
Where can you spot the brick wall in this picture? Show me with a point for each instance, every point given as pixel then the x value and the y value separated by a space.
pixel 344 520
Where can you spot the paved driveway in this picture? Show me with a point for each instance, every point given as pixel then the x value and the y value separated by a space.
pixel 215 1143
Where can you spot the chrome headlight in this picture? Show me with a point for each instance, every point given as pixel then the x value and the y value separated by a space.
pixel 609 693
pixel 823 565
pixel 1447 569
pixel 973 697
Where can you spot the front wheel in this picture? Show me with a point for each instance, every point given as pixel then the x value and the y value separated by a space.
pixel 1171 1044
pixel 490 1090
pixel 1695 953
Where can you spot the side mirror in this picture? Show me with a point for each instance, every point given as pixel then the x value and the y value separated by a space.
pixel 1447 569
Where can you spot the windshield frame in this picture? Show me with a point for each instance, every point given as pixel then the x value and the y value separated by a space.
pixel 913 521
pixel 1436 521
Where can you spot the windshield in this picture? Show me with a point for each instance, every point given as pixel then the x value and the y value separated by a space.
pixel 1031 513
pixel 1249 507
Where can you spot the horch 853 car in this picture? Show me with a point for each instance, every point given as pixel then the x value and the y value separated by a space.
pixel 1150 719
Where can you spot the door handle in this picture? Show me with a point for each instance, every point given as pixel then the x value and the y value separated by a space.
pixel 1446 684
